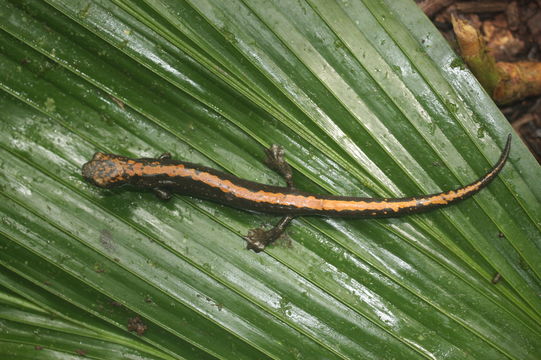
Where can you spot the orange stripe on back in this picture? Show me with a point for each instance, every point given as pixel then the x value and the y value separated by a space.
pixel 294 200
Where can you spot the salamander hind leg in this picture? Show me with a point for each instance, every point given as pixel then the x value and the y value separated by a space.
pixel 258 238
pixel 276 161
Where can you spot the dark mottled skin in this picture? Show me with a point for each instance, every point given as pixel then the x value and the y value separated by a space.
pixel 166 176
pixel 107 170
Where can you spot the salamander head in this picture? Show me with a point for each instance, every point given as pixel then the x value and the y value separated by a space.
pixel 105 170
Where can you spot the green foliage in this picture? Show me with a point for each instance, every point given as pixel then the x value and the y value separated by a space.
pixel 366 98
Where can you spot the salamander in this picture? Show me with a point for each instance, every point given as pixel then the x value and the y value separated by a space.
pixel 166 176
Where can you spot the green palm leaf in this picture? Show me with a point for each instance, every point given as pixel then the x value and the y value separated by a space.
pixel 366 98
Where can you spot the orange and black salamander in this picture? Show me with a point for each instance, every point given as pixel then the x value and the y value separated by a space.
pixel 165 176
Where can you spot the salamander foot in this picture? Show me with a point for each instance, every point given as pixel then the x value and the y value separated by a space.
pixel 257 239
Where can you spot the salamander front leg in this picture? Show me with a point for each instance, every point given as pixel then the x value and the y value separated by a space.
pixel 165 156
pixel 159 192
pixel 258 238
pixel 162 193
